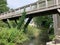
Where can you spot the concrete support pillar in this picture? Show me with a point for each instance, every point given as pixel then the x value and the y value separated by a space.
pixel 56 20
pixel 55 23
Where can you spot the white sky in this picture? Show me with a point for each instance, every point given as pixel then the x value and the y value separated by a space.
pixel 18 3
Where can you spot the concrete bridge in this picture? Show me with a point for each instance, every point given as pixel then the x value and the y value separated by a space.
pixel 45 7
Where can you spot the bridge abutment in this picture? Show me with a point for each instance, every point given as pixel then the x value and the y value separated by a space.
pixel 56 24
pixel 56 21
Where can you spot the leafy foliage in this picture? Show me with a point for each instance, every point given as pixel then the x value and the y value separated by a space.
pixel 21 20
pixel 43 21
pixel 2 24
pixel 12 36
pixel 44 24
pixel 3 6
pixel 32 32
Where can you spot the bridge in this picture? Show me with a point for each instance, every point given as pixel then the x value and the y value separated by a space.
pixel 44 7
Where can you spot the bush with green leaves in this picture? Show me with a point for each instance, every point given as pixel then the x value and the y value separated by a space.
pixel 45 24
pixel 32 32
pixel 12 36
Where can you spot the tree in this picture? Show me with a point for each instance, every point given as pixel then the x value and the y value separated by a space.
pixel 21 20
pixel 3 6
pixel 43 23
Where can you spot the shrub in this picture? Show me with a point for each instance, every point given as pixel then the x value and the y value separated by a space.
pixel 32 32
pixel 12 36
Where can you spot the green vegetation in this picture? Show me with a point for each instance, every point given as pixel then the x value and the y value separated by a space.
pixel 14 34
pixel 44 23
pixel 3 6
pixel 21 20
pixel 32 32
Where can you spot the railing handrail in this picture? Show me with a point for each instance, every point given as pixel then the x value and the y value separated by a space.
pixel 35 3
pixel 23 7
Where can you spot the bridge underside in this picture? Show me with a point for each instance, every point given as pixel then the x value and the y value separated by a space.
pixel 49 12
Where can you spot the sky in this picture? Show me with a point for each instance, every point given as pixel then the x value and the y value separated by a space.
pixel 19 3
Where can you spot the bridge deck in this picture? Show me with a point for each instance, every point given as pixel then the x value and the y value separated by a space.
pixel 36 7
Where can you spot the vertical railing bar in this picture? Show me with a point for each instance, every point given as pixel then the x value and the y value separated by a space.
pixel 46 3
pixel 14 11
pixel 24 8
pixel 19 10
pixel 37 5
pixel 10 12
pixel 30 7
pixel 56 2
pixel 6 13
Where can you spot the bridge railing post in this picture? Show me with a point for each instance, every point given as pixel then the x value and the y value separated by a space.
pixel 16 11
pixel 46 1
pixel 37 5
pixel 30 7
pixel 19 10
pixel 24 9
pixel 57 2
